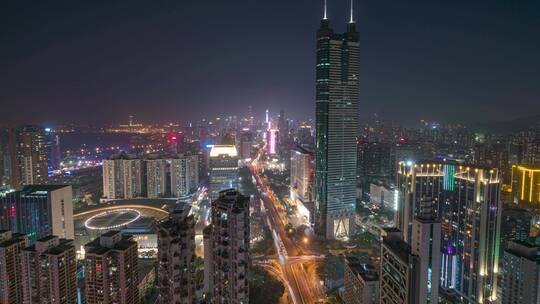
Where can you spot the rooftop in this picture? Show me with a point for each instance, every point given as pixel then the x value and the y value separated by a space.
pixel 366 271
pixel 226 150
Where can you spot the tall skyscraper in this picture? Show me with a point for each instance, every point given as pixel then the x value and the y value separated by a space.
pixel 230 248
pixel 49 272
pixel 39 211
pixel 336 129
pixel 176 254
pixel 468 205
pixel 111 270
pixel 399 270
pixel 426 244
pixel 11 245
pixel 223 168
pixel 521 274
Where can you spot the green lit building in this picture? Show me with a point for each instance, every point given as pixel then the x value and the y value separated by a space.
pixel 467 204
pixel 336 129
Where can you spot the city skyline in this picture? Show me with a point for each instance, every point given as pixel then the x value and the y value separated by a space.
pixel 149 57
pixel 276 152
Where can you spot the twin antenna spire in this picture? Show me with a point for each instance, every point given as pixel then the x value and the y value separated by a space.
pixel 351 20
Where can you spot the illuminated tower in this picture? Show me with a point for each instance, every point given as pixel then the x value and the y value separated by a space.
pixel 467 203
pixel 336 128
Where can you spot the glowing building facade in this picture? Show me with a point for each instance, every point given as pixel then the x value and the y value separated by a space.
pixel 336 129
pixel 526 186
pixel 223 169
pixel 467 202
pixel 38 211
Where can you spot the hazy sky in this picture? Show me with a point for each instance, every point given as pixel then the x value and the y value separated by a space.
pixel 97 61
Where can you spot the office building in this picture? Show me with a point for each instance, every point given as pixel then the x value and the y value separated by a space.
pixel 336 115
pixel 123 177
pixel 515 226
pixel 521 274
pixel 246 145
pixel 426 244
pixel 526 186
pixel 111 270
pixel 49 272
pixel 272 141
pixel 382 195
pixel 470 244
pixel 399 282
pixel 302 174
pixel 38 211
pixel 176 257
pixel 361 283
pixel 230 248
pixel 223 169
pixel 11 245
pixel 375 162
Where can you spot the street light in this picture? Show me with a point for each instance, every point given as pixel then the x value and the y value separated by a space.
pixel 305 240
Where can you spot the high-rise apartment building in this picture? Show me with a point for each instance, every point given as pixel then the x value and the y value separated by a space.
pixel 123 177
pixel 230 248
pixel 39 211
pixel 49 272
pixel 111 270
pixel 223 169
pixel 126 176
pixel 521 274
pixel 32 147
pixel 336 116
pixel 399 282
pixel 11 245
pixel 176 257
pixel 157 173
pixel 184 175
pixel 361 282
pixel 302 174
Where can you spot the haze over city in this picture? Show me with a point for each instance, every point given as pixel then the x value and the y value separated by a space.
pixel 185 60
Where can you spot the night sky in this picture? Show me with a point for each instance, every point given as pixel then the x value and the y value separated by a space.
pixel 98 61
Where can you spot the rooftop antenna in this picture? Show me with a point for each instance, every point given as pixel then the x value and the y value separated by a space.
pixel 352 14
pixel 324 16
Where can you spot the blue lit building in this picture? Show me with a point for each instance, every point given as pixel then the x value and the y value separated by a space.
pixel 38 211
